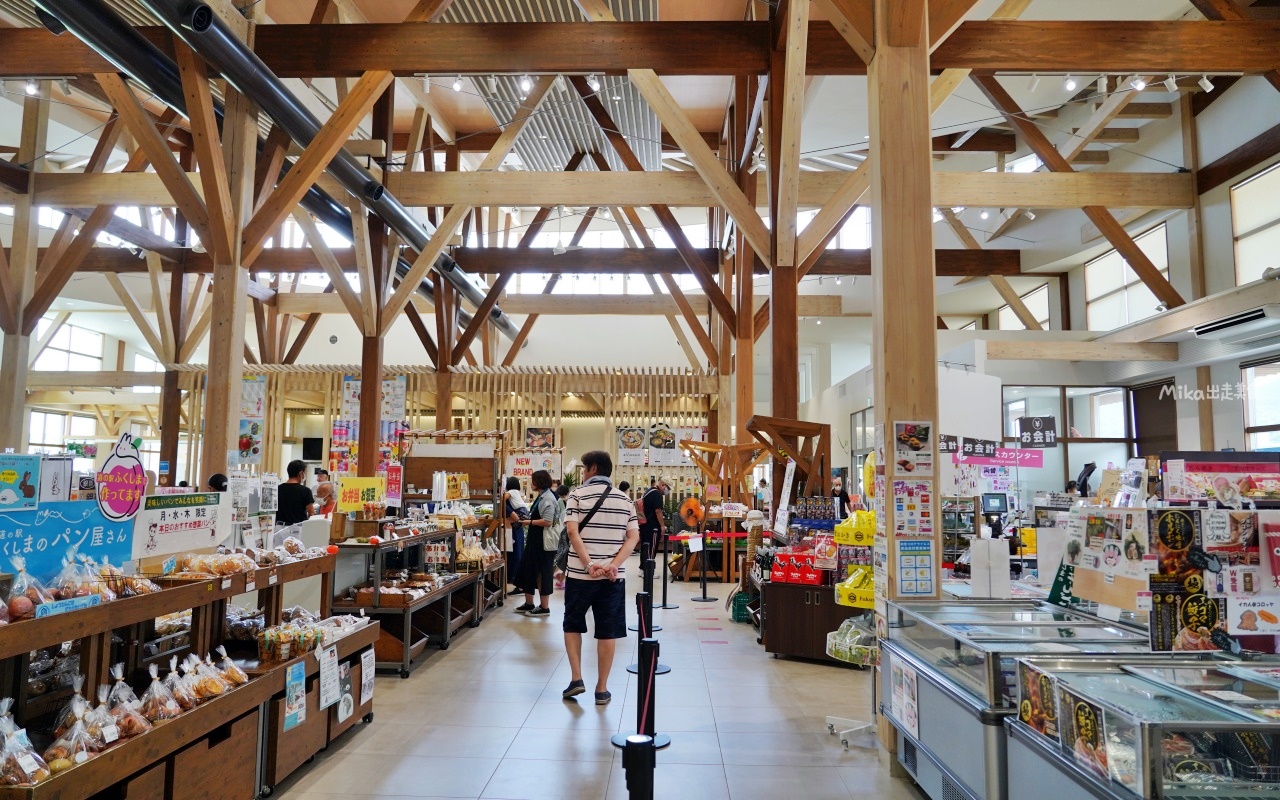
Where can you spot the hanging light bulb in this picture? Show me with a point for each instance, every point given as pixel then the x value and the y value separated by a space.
pixel 1138 83
pixel 1205 83
pixel 984 213
pixel 525 83
pixel 1171 83
pixel 32 88
pixel 819 321
pixel 1034 83
pixel 457 84
pixel 593 82
pixel 1069 83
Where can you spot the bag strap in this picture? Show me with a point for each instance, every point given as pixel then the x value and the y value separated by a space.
pixel 587 519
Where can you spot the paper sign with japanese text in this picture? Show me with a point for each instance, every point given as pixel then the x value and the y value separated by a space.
pixel 353 493
pixel 121 481
pixel 19 481
pixel 395 484
pixel 43 537
pixel 176 523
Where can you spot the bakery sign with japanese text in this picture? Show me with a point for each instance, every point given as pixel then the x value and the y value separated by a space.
pixel 44 537
pixel 175 523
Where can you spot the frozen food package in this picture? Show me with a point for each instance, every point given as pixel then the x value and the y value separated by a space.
pixel 66 717
pixel 26 593
pixel 20 764
pixel 228 669
pixel 121 692
pixel 158 703
pixel 178 685
pixel 75 746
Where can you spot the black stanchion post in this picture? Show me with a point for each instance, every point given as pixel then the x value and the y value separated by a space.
pixel 645 724
pixel 646 569
pixel 639 760
pixel 702 564
pixel 644 610
pixel 666 556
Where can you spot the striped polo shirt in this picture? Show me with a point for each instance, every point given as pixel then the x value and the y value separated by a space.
pixel 604 534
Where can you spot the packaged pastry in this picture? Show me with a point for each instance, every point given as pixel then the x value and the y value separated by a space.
pixel 293 546
pixel 26 593
pixel 100 722
pixel 66 717
pixel 158 703
pixel 229 671
pixel 112 576
pixel 179 687
pixel 121 692
pixel 75 746
pixel 20 764
pixel 129 722
pixel 206 683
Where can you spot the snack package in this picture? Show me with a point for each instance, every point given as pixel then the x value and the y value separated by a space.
pixel 129 722
pixel 66 717
pixel 122 694
pixel 26 593
pixel 100 722
pixel 229 671
pixel 75 746
pixel 179 687
pixel 206 683
pixel 158 703
pixel 20 764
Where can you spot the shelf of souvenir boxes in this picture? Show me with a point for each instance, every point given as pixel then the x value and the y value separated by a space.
pixel 418 595
pixel 211 743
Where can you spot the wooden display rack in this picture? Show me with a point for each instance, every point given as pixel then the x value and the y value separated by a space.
pixel 730 466
pixel 216 749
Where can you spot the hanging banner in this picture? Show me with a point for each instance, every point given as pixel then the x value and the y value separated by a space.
pixel 43 537
pixel 269 498
pixel 19 482
pixel 353 493
pixel 395 484
pixel 522 465
pixel 1038 432
pixel 253 399
pixel 999 456
pixel 121 481
pixel 394 394
pixel 663 451
pixel 176 523
pixel 631 447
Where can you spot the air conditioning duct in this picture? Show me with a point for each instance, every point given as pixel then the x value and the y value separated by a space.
pixel 1246 326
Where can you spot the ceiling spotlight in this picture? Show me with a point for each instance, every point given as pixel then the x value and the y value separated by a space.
pixel 1031 214
pixel 1161 308
pixel 1205 83
pixel 426 84
pixel 837 280
pixel 1171 83
pixel 1034 83
pixel 1069 83
pixel 984 213
pixel 819 322
pixel 493 85
pixel 32 88
pixel 457 84
pixel 525 83
pixel 1138 83
pixel 593 82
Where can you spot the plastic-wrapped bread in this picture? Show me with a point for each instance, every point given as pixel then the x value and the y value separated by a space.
pixel 230 672
pixel 158 703
pixel 178 686
pixel 121 692
pixel 75 745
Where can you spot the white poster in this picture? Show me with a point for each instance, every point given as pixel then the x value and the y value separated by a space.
pixel 176 523
pixel 783 517
pixel 631 452
pixel 663 451
pixel 330 687
pixel 238 489
pixel 524 463
pixel 394 393
pixel 55 479
pixel 368 664
pixel 913 448
pixel 253 397
pixel 269 497
pixel 913 508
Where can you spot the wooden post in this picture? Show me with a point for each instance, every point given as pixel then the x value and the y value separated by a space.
pixel 744 262
pixel 372 349
pixel 15 354
pixel 446 332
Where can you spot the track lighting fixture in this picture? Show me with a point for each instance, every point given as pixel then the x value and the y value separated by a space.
pixel 593 82
pixel 1034 83
pixel 457 84
pixel 32 88
pixel 1171 83
pixel 818 321
pixel 1205 83
pixel 1031 214
pixel 426 84
pixel 1069 83
pixel 493 85
pixel 1137 83
pixel 525 83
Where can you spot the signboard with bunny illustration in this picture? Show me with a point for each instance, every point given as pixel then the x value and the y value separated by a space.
pixel 19 482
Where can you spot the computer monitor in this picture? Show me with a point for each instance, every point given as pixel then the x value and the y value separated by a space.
pixel 995 503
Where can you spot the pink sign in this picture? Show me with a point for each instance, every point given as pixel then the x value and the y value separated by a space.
pixel 121 481
pixel 1004 457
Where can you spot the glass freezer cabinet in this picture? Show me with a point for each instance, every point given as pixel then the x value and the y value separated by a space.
pixel 949 680
pixel 1111 729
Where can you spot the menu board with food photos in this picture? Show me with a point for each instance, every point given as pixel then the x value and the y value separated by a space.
pixel 631 449
pixel 663 451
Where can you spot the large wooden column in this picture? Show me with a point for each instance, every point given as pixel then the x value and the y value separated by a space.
pixel 905 348
pixel 744 137
pixel 371 353
pixel 16 351
pixel 446 334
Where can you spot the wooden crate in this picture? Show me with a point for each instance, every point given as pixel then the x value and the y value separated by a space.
pixel 220 766
pixel 288 750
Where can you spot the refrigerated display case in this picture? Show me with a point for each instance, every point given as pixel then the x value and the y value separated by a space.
pixel 959 660
pixel 1117 730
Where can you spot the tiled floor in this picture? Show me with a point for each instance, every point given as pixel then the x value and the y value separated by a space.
pixel 484 719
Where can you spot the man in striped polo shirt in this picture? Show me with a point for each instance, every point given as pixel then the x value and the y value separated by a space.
pixel 603 530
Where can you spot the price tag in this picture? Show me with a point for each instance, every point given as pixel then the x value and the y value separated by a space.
pixel 272 578
pixel 1143 601
pixel 110 733
pixel 251 583
pixel 81 757
pixel 170 565
pixel 28 764
pixel 226 583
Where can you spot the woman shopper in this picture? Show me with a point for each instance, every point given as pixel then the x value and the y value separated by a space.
pixel 536 567
pixel 562 549
pixel 515 512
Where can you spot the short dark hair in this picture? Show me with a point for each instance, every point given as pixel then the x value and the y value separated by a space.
pixel 182 484
pixel 622 487
pixel 322 471
pixel 600 460
pixel 562 491
pixel 218 482
pixel 512 483
pixel 541 480
pixel 296 468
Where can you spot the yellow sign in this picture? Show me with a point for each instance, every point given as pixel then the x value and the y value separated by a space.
pixel 859 529
pixel 353 493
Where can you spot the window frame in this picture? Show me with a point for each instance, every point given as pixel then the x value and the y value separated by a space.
pixel 1125 287
pixel 1249 429
pixel 1236 235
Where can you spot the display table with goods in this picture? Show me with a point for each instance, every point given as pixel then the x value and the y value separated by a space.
pixel 177 720
pixel 960 522
pixel 423 582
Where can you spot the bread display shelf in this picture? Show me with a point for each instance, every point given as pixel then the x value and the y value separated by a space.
pixel 120 762
pixel 395 544
pixel 435 595
pixel 274 671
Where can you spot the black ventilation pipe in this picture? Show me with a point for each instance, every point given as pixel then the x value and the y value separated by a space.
pixel 117 41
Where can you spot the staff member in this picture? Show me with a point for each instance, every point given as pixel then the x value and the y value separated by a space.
pixel 294 499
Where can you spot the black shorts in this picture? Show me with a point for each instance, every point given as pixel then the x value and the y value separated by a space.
pixel 607 601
